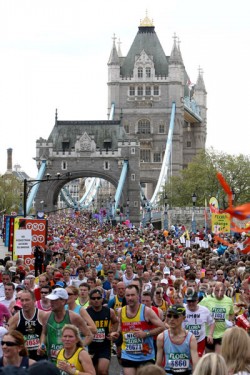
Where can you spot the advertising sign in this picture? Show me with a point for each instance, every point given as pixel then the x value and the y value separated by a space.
pixel 220 223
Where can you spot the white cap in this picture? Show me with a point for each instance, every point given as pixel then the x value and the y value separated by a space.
pixel 58 293
pixel 164 281
pixel 166 271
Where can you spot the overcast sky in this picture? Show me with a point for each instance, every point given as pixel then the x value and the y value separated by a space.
pixel 54 53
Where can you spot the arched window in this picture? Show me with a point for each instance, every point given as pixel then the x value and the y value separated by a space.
pixel 139 90
pixel 131 91
pixel 148 90
pixel 156 90
pixel 140 72
pixel 148 72
pixel 144 127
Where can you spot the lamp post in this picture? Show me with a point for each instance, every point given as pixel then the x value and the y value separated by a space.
pixel 144 210
pixel 165 212
pixel 20 207
pixel 194 198
pixel 27 189
pixel 127 209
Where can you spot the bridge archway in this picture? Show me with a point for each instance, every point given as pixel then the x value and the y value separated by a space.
pixel 84 157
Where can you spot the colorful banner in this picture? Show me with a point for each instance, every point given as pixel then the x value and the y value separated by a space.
pixel 38 228
pixel 213 205
pixel 220 223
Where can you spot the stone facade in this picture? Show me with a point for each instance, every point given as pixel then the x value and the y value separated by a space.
pixel 143 85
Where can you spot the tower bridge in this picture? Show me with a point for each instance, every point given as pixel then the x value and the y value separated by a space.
pixel 147 89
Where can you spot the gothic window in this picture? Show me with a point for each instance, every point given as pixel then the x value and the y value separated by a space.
pixel 140 72
pixel 144 127
pixel 148 90
pixel 157 157
pixel 156 90
pixel 133 151
pixel 140 91
pixel 148 72
pixel 161 129
pixel 126 128
pixel 189 144
pixel 132 176
pixel 106 165
pixel 64 165
pixel 145 156
pixel 131 91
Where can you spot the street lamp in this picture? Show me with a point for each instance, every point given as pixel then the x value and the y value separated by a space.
pixel 165 212
pixel 194 198
pixel 27 189
pixel 144 210
pixel 127 209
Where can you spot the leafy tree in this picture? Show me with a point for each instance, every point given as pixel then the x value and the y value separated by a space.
pixel 10 193
pixel 200 178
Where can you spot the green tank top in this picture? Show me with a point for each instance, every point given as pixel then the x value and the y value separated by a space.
pixel 54 335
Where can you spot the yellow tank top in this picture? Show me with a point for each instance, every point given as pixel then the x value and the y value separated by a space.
pixel 74 360
pixel 117 305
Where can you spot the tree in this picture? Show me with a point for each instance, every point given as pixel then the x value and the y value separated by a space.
pixel 200 178
pixel 10 193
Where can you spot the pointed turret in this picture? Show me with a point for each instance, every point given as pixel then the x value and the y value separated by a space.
pixel 200 85
pixel 175 64
pixel 114 57
pixel 200 93
pixel 175 57
pixel 119 48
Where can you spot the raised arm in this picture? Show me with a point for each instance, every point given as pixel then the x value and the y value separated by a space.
pixel 90 323
pixel 82 326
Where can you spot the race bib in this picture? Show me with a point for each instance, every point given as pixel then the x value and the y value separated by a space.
pixel 178 361
pixel 32 342
pixel 100 335
pixel 219 314
pixel 195 329
pixel 133 344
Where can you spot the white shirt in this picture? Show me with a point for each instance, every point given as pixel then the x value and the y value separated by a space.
pixel 196 321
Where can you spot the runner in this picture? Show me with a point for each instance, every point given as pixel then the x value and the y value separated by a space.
pixel 176 347
pixel 135 324
pixel 106 322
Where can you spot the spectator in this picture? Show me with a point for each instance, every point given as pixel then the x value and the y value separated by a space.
pixel 235 349
pixel 211 364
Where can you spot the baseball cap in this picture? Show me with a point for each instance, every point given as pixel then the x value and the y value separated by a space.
pixel 18 304
pixel 20 286
pixel 57 294
pixel 191 295
pixel 60 284
pixel 177 309
pixel 166 271
pixel 164 281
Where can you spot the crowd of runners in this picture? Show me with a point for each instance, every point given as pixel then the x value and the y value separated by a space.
pixel 140 294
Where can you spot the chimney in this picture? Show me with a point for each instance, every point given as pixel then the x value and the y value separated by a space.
pixel 9 160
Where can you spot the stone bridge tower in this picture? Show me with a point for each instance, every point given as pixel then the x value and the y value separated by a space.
pixel 77 149
pixel 143 86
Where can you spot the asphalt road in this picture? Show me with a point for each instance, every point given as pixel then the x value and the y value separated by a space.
pixel 114 368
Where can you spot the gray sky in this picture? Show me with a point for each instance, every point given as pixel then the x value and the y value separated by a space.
pixel 54 54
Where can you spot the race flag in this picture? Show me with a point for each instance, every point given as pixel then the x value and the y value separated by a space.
pixel 190 84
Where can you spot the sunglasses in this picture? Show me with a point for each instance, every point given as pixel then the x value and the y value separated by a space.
pixel 94 298
pixel 175 316
pixel 219 274
pixel 9 343
pixel 44 292
pixel 70 294
pixel 158 292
